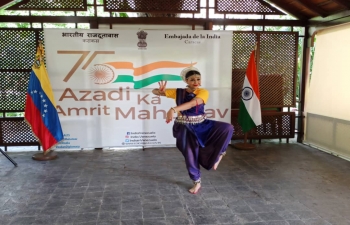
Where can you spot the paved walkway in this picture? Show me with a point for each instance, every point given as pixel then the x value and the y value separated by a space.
pixel 276 184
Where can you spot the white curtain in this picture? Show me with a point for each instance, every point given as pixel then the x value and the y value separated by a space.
pixel 328 95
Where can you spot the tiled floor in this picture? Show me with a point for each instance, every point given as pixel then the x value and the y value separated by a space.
pixel 275 184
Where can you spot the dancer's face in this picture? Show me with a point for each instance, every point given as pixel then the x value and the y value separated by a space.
pixel 194 81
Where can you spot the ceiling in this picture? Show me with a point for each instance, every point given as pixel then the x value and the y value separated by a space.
pixel 312 10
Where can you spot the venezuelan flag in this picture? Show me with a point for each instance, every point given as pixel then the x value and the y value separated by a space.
pixel 40 108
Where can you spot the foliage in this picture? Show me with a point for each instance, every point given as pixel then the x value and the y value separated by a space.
pixel 12 114
pixel 312 54
pixel 121 14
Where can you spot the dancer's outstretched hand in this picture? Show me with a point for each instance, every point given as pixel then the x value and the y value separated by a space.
pixel 162 86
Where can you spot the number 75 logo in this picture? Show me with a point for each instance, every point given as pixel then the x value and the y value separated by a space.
pixel 83 56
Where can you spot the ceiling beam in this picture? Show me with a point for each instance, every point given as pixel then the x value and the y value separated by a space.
pixel 344 3
pixel 6 3
pixel 312 7
pixel 150 20
pixel 288 9
pixel 331 20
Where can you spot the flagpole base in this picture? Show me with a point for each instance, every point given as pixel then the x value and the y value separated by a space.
pixel 244 146
pixel 41 157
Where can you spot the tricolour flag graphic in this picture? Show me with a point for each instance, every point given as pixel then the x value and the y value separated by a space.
pixel 249 109
pixel 40 108
pixel 148 74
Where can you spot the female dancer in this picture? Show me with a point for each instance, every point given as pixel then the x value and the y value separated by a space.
pixel 200 140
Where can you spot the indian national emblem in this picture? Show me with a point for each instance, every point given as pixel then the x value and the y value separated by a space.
pixel 142 39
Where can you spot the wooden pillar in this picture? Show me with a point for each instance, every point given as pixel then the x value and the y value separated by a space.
pixel 208 26
pixel 93 24
pixel 303 82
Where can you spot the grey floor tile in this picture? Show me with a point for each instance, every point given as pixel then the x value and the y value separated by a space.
pixel 97 194
pixel 65 218
pixel 151 198
pixel 228 219
pixel 216 204
pixel 152 206
pixel 176 212
pixel 77 195
pixel 155 213
pixel 154 221
pixel 219 211
pixel 241 209
pixel 152 191
pixel 205 219
pixel 270 216
pixel 172 204
pixel 113 222
pixel 170 198
pixel 84 208
pixel 131 200
pixel 132 222
pixel 255 223
pixel 85 223
pixel 44 220
pixel 6 219
pixel 279 222
pixel 178 221
pixel 235 201
pixel 131 206
pixel 274 184
pixel 288 215
pixel 262 208
pixel 129 215
pixel 104 216
pixel 86 217
pixel 316 222
pixel 295 222
pixel 306 215
pixel 200 211
pixel 25 220
pixel 248 217
pixel 110 207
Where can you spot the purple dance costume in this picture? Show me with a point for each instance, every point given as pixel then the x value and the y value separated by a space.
pixel 200 140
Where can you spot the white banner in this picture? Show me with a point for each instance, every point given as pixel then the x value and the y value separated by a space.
pixel 102 82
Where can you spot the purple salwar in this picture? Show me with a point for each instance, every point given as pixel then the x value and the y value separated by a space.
pixel 201 144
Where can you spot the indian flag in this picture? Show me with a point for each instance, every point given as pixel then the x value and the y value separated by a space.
pixel 249 115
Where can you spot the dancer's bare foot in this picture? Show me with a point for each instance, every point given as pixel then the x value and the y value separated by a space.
pixel 195 188
pixel 217 163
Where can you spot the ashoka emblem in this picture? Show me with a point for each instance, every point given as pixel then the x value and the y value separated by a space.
pixel 247 93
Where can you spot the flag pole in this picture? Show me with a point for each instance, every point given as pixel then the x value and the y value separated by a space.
pixel 245 145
